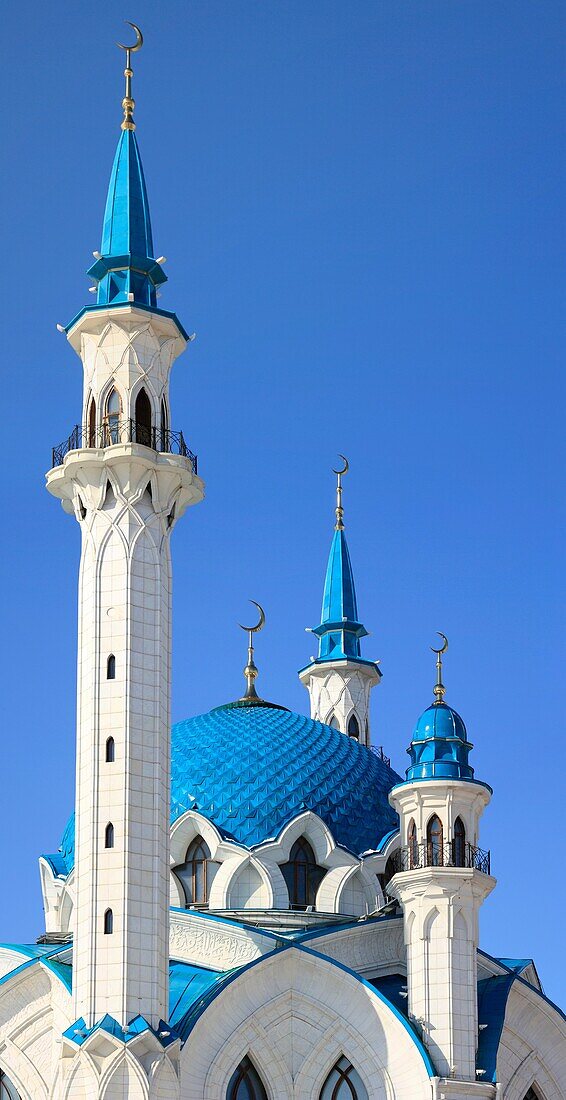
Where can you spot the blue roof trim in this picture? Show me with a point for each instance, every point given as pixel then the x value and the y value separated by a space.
pixel 493 994
pixel 388 836
pixel 433 778
pixel 134 305
pixel 79 1033
pixel 523 981
pixel 57 863
pixel 46 954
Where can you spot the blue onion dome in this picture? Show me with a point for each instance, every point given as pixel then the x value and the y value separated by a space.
pixel 251 766
pixel 440 747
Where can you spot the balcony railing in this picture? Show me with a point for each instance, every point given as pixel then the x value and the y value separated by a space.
pixel 124 431
pixel 454 853
pixel 379 751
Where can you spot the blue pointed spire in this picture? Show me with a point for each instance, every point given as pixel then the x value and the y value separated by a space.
pixel 339 631
pixel 126 270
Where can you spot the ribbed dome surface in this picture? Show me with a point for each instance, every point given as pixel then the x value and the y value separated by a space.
pixel 251 769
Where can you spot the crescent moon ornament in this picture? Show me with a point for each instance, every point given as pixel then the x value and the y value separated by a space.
pixel 340 473
pixel 260 624
pixel 139 39
pixel 443 647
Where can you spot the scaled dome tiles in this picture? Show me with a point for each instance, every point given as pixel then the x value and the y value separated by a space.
pixel 250 770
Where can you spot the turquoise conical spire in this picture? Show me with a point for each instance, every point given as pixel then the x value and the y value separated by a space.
pixel 339 631
pixel 126 270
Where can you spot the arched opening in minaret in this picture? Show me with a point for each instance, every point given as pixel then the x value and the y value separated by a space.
pixel 164 425
pixel 245 1083
pixel 302 875
pixel 434 842
pixel 112 418
pixel 91 423
pixel 108 922
pixel 109 835
pixel 110 750
pixel 196 874
pixel 353 727
pixel 412 844
pixel 532 1094
pixel 7 1089
pixel 459 843
pixel 343 1083
pixel 143 418
pixel 111 667
pixel 333 722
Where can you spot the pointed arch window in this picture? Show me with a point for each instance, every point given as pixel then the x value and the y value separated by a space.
pixel 353 727
pixel 111 667
pixel 110 750
pixel 143 418
pixel 459 843
pixel 343 1083
pixel 302 875
pixel 109 835
pixel 413 845
pixel 112 418
pixel 108 922
pixel 531 1094
pixel 196 874
pixel 91 423
pixel 7 1090
pixel 434 842
pixel 333 722
pixel 245 1083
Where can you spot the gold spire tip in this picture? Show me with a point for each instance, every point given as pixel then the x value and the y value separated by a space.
pixel 339 509
pixel 439 689
pixel 250 671
pixel 128 103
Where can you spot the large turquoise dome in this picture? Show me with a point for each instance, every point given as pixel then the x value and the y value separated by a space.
pixel 251 768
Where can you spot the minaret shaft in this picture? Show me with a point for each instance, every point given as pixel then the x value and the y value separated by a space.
pixel 127 497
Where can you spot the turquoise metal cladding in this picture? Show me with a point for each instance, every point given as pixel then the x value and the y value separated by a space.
pixel 340 631
pixel 126 270
pixel 250 770
pixel 440 747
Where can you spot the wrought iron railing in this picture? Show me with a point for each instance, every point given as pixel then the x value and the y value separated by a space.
pixel 378 751
pixel 124 431
pixel 453 853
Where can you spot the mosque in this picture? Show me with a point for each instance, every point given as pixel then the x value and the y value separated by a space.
pixel 252 905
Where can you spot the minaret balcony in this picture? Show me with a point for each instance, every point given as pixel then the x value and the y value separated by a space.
pixel 451 854
pixel 116 432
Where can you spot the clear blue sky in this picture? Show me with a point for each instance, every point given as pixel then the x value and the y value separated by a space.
pixel 361 206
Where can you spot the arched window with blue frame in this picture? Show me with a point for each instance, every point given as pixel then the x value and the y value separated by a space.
pixel 246 1083
pixel 343 1083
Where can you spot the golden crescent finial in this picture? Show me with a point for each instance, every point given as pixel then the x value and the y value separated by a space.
pixel 260 624
pixel 444 647
pixel 339 526
pixel 128 103
pixel 250 671
pixel 340 473
pixel 139 39
pixel 439 689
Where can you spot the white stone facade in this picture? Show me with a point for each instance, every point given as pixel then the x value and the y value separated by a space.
pixel 340 690
pixel 126 497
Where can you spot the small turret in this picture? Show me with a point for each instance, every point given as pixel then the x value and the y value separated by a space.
pixel 441 879
pixel 339 680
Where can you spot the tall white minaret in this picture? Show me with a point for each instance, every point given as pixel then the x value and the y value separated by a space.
pixel 127 477
pixel 339 680
pixel 442 878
